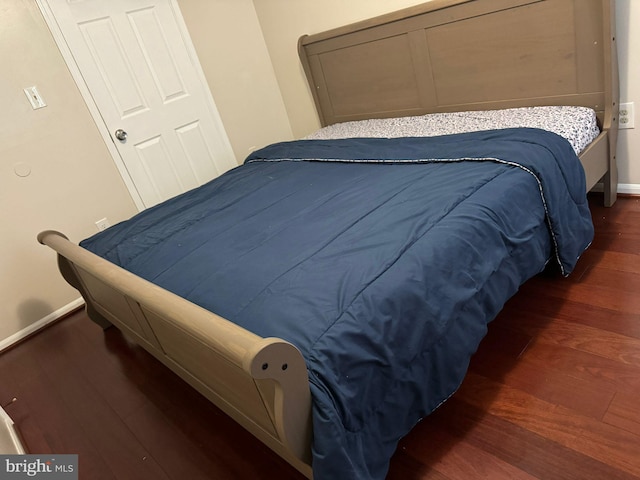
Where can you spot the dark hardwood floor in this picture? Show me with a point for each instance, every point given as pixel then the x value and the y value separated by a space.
pixel 553 392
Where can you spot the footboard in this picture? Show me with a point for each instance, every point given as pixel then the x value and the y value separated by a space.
pixel 260 382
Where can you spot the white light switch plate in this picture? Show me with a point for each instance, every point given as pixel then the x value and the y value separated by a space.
pixel 34 97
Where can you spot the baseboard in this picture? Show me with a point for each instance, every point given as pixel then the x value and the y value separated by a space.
pixel 43 322
pixel 623 188
pixel 9 439
pixel 629 188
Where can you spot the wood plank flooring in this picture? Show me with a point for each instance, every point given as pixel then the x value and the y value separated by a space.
pixel 552 393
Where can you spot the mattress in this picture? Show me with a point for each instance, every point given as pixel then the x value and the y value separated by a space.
pixel 578 125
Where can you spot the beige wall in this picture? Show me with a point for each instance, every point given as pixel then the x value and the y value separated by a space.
pixel 229 43
pixel 284 21
pixel 72 183
pixel 627 14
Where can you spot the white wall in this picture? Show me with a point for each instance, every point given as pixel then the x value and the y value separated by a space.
pixel 284 21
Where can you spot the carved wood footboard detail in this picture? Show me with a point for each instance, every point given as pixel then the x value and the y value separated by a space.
pixel 261 383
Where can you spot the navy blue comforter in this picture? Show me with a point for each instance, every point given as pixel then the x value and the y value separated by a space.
pixel 382 260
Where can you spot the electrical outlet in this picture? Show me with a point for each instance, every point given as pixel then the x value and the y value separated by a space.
pixel 103 224
pixel 626 115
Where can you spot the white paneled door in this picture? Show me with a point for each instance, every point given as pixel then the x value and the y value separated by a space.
pixel 135 59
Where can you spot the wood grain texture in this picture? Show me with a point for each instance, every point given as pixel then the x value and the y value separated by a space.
pixel 624 413
pixel 551 393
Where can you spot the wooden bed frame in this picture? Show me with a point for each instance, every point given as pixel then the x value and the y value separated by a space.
pixel 445 55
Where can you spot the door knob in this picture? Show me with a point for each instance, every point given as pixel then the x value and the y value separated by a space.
pixel 121 135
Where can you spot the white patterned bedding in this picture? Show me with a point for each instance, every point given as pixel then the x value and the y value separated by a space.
pixel 577 124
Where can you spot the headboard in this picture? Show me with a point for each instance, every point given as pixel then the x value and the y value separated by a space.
pixel 457 55
pixel 448 55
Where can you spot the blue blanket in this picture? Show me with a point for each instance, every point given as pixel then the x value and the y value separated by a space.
pixel 382 260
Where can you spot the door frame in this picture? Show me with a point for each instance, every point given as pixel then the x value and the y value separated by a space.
pixel 76 74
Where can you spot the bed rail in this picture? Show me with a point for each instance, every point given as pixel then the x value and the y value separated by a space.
pixel 261 383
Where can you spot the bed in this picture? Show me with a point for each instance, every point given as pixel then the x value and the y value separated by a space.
pixel 353 278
